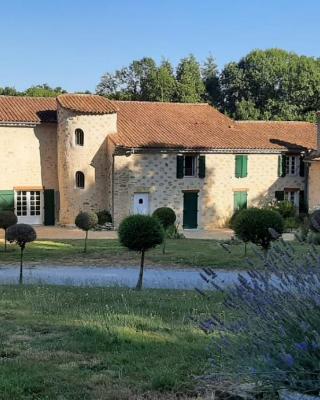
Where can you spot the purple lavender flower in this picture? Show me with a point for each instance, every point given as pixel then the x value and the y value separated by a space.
pixel 303 346
pixel 287 359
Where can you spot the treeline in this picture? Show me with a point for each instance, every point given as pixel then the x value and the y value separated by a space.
pixel 264 85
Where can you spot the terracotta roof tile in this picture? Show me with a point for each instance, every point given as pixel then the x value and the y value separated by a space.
pixel 87 103
pixel 176 125
pixel 28 109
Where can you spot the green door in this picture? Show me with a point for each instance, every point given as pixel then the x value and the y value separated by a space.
pixel 6 200
pixel 190 210
pixel 49 207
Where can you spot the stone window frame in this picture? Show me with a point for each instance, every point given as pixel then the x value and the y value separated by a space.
pixel 79 137
pixel 80 180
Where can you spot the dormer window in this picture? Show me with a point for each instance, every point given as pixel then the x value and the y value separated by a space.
pixel 79 136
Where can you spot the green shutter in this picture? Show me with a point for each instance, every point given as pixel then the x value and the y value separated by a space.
pixel 180 173
pixel 302 202
pixel 49 207
pixel 6 200
pixel 282 166
pixel 301 167
pixel 240 200
pixel 279 195
pixel 202 166
pixel 238 170
pixel 241 167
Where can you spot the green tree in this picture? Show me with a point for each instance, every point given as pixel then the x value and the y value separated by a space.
pixel 21 234
pixel 165 84
pixel 9 91
pixel 271 84
pixel 86 221
pixel 190 86
pixel 210 76
pixel 43 91
pixel 140 233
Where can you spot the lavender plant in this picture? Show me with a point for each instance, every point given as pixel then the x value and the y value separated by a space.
pixel 269 333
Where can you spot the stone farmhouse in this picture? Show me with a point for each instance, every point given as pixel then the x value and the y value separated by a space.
pixel 84 152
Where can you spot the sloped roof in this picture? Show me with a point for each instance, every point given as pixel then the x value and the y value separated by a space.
pixel 28 109
pixel 87 103
pixel 177 125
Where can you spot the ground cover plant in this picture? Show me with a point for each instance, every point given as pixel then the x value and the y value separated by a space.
pixel 179 253
pixel 100 343
pixel 270 332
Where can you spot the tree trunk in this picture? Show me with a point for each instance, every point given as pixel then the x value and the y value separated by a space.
pixel 85 242
pixel 21 264
pixel 164 244
pixel 140 280
pixel 5 240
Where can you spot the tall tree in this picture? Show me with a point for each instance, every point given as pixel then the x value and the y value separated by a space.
pixel 165 84
pixel 211 81
pixel 43 90
pixel 190 88
pixel 272 84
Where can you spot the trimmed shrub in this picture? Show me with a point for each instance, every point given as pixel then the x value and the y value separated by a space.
pixel 315 221
pixel 140 233
pixel 7 219
pixel 255 225
pixel 21 234
pixel 86 221
pixel 285 208
pixel 167 217
pixel 230 223
pixel 104 216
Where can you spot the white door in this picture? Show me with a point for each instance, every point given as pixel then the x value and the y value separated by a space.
pixel 141 203
pixel 29 206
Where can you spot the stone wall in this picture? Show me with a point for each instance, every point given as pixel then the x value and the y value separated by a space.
pixel 156 174
pixel 28 156
pixel 91 159
pixel 314 186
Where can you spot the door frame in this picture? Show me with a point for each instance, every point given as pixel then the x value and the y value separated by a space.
pixel 20 218
pixel 197 192
pixel 141 193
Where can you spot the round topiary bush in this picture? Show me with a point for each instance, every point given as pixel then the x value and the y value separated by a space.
pixel 167 217
pixel 255 225
pixel 7 219
pixel 140 233
pixel 21 234
pixel 86 221
pixel 104 216
pixel 315 221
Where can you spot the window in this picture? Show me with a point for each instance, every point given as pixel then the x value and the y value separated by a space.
pixel 241 166
pixel 80 179
pixel 292 165
pixel 79 137
pixel 292 196
pixel 189 165
pixel 240 200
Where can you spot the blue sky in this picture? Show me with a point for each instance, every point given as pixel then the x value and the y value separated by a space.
pixel 71 43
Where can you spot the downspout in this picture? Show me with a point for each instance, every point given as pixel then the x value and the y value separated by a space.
pixel 306 187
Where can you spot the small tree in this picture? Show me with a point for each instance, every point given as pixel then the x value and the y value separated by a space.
pixel 21 234
pixel 167 218
pixel 86 221
pixel 255 225
pixel 7 219
pixel 140 233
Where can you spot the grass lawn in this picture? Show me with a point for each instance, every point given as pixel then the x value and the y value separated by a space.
pixel 79 343
pixel 182 252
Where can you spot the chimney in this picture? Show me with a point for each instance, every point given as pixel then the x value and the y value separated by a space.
pixel 318 129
